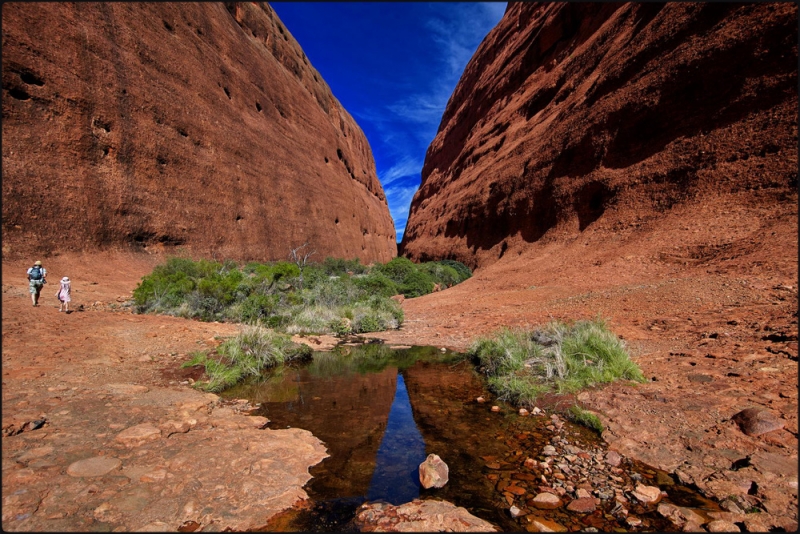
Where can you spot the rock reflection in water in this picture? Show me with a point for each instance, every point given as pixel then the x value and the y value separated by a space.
pixel 396 475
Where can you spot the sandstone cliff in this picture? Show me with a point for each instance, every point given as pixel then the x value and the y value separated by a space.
pixel 200 126
pixel 572 112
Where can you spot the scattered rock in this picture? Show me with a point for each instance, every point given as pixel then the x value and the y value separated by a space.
pixel 539 524
pixel 582 506
pixel 549 450
pixel 546 501
pixel 480 400
pixel 514 511
pixel 757 421
pixel 647 494
pixel 613 458
pixel 495 408
pixel 433 472
pixel 523 412
pixel 722 526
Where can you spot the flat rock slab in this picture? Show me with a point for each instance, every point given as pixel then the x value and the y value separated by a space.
pixel 93 467
pixel 419 516
pixel 210 466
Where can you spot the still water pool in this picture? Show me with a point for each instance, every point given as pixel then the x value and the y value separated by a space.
pixel 381 411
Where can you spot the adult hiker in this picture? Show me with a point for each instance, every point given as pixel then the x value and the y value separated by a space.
pixel 37 277
pixel 63 294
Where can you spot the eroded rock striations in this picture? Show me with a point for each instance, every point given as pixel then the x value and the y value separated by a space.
pixel 193 125
pixel 569 112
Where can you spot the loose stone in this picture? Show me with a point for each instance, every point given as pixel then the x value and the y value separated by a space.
pixel 722 526
pixel 544 525
pixel 546 501
pixel 647 494
pixel 582 506
pixel 433 472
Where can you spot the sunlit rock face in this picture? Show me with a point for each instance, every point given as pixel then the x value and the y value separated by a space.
pixel 571 115
pixel 165 126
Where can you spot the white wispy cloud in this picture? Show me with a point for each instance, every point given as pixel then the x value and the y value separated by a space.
pixel 407 166
pixel 408 126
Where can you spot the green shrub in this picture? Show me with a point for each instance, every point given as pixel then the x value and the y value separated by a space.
pixel 521 364
pixel 463 271
pixel 416 284
pixel 397 269
pixel 377 283
pixel 444 275
pixel 276 294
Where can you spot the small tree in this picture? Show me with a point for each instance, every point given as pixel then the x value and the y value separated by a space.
pixel 300 257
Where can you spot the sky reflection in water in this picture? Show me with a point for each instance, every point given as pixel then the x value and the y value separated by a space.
pixel 402 449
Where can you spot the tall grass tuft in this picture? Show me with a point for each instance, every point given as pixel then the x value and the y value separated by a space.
pixel 253 350
pixel 522 364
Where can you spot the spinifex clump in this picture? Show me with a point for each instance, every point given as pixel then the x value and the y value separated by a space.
pixel 522 364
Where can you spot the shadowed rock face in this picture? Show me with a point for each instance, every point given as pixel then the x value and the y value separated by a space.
pixel 193 125
pixel 569 112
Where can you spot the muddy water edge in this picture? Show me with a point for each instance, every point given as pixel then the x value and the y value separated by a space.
pixel 382 410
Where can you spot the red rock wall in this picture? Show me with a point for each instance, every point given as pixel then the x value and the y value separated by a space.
pixel 569 112
pixel 200 126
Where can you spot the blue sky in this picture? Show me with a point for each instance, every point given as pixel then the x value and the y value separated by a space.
pixel 393 66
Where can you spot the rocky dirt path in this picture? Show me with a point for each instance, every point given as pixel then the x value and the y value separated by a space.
pixel 100 434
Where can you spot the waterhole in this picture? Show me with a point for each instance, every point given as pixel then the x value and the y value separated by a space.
pixel 381 411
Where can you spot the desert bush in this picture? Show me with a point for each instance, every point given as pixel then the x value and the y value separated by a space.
pixel 522 364
pixel 276 294
pixel 463 271
pixel 416 284
pixel 377 283
pixel 397 269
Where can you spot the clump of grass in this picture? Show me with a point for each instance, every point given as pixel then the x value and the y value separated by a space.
pixel 247 354
pixel 585 418
pixel 522 364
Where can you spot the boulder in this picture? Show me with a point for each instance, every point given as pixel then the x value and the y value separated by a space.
pixel 419 516
pixel 433 472
pixel 757 421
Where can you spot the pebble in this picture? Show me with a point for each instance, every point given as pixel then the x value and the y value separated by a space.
pixel 495 408
pixel 549 450
pixel 514 511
